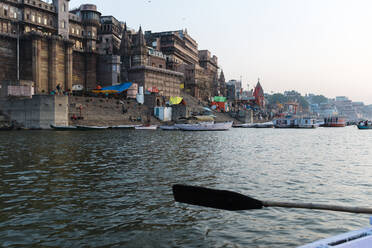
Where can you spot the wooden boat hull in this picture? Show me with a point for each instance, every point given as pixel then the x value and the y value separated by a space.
pixel 124 127
pixel 364 127
pixel 88 128
pixel 169 128
pixel 335 125
pixel 152 127
pixel 63 128
pixel 205 126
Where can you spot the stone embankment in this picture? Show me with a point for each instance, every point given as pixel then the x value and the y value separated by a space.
pixel 97 111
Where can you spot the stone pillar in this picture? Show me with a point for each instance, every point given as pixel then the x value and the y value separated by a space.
pixel 68 66
pixel 52 69
pixel 36 64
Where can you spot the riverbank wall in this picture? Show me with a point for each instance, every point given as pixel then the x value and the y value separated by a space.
pixel 41 111
pixel 38 112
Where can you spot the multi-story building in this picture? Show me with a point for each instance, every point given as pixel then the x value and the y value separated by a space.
pixel 182 54
pixel 146 66
pixel 179 47
pixel 237 89
pixel 210 65
pixel 81 47
pixel 109 35
pixel 58 46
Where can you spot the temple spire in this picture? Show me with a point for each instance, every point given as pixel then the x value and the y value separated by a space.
pixel 141 37
pixel 125 42
pixel 222 77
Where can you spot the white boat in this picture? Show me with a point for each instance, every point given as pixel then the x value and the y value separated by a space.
pixel 295 122
pixel 150 127
pixel 92 127
pixel 354 239
pixel 269 124
pixel 307 122
pixel 125 127
pixel 223 126
pixel 169 128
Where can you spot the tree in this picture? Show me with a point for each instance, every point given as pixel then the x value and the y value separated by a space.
pixel 318 99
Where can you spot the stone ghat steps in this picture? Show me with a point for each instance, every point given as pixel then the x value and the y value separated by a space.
pixel 107 111
pixel 197 106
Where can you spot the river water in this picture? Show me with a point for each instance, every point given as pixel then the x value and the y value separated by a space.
pixel 113 188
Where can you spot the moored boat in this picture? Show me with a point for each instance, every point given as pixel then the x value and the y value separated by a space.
pixel 295 122
pixel 169 128
pixel 364 125
pixel 146 127
pixel 223 126
pixel 63 128
pixel 307 122
pixel 124 127
pixel 91 127
pixel 269 124
pixel 335 121
pixel 285 122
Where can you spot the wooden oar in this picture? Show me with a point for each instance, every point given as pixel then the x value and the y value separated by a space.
pixel 228 200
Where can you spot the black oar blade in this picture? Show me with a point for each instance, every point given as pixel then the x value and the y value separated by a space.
pixel 220 199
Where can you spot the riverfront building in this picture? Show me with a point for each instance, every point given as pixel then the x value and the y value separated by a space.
pixel 199 67
pixel 46 44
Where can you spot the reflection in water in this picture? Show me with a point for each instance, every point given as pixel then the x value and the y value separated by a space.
pixel 113 188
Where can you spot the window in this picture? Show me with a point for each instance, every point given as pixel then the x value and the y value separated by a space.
pixel 77 31
pixel 15 15
pixel 27 29
pixel 73 30
pixel 89 34
pixel 51 23
pixel 39 19
pixel 5 10
pixel 63 24
pixel 33 18
pixel 64 8
pixel 28 16
pixel 5 28
pixel 45 21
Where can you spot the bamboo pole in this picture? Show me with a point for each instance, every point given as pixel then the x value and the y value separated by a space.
pixel 358 210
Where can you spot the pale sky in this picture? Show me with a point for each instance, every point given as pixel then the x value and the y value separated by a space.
pixel 311 46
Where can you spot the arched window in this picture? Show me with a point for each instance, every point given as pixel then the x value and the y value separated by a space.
pixel 64 7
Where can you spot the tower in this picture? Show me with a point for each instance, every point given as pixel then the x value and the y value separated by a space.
pixel 139 49
pixel 125 53
pixel 62 8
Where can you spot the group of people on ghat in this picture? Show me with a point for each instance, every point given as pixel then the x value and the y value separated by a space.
pixel 60 91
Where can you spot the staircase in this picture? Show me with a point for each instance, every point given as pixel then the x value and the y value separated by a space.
pixel 97 111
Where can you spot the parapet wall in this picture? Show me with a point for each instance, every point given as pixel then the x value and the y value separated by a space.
pixel 39 112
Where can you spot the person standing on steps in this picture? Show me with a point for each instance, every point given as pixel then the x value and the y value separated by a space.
pixel 58 89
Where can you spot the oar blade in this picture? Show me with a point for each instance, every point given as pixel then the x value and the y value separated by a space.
pixel 220 199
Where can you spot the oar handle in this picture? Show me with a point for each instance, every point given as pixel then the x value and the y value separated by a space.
pixel 358 210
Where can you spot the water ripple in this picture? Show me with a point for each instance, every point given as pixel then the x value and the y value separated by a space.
pixel 96 189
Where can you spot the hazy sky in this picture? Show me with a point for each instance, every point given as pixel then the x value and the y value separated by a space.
pixel 312 46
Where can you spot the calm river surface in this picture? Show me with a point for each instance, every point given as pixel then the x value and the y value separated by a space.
pixel 113 188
